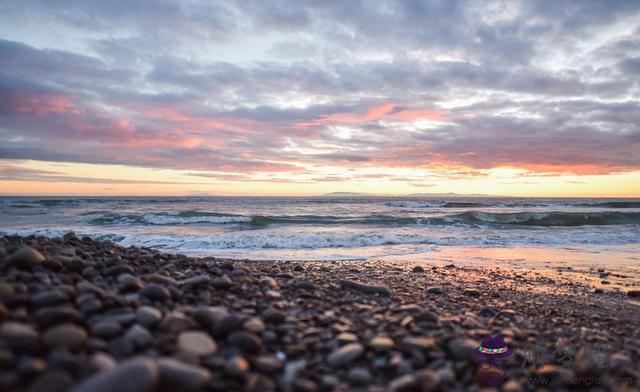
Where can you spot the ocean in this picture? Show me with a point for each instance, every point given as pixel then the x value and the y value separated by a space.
pixel 335 228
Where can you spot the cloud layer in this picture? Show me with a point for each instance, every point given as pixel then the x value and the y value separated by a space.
pixel 283 87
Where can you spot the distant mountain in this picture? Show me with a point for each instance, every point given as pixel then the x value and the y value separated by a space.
pixel 450 194
pixel 347 194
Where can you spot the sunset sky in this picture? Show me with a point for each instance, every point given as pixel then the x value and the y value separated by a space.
pixel 303 98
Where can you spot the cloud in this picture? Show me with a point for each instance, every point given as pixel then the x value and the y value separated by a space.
pixel 287 87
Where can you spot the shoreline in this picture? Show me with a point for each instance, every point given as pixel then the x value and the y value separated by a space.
pixel 73 318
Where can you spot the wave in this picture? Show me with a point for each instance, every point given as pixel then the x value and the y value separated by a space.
pixel 613 204
pixel 182 218
pixel 548 218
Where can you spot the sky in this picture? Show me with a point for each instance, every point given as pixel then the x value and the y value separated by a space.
pixel 198 97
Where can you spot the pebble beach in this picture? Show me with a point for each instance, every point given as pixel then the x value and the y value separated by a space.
pixel 86 315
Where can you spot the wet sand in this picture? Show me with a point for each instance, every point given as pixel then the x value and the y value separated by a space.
pixel 90 315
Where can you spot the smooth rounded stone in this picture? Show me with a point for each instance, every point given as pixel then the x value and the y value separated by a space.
pixel 106 329
pixel 381 344
pixel 13 330
pixel 67 334
pixel 210 315
pixel 268 282
pixel 359 376
pixel 179 376
pixel 131 376
pixel 52 381
pixel 417 269
pixel 177 322
pixel 246 341
pixel 148 316
pixel 365 288
pixel 462 349
pixel 267 364
pixel 155 292
pixel 274 316
pixel 63 358
pixel 426 316
pixel 434 290
pixel 47 317
pixel 102 362
pixel 222 283
pixel 428 380
pixel 139 335
pixel 195 281
pixel 471 292
pixel 303 285
pixel 49 298
pixel 237 366
pixel 403 383
pixel 347 337
pixel 620 361
pixel 6 290
pixel 273 294
pixel 489 312
pixel 121 348
pixel 197 343
pixel 419 343
pixel 633 293
pixel 26 257
pixel 30 367
pixel 345 354
pixel 129 282
pixel 254 325
pixel 228 324
pixel 119 270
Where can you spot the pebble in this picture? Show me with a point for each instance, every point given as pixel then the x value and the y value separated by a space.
pixel 268 282
pixel 11 330
pixel 49 316
pixel 130 376
pixel 428 380
pixel 67 334
pixel 365 288
pixel 417 269
pixel 347 337
pixel 177 322
pixel 222 283
pixel 49 298
pixel 434 290
pixel 472 292
pixel 274 316
pixel 345 354
pixel 463 349
pixel 26 257
pixel 196 281
pixel 148 316
pixel 246 341
pixel 267 364
pixel 179 376
pixel 106 329
pixel 102 362
pixel 403 383
pixel 139 335
pixel 359 376
pixel 237 366
pixel 210 315
pixel 254 325
pixel 6 290
pixel 620 361
pixel 381 343
pixel 129 282
pixel 419 343
pixel 197 343
pixel 155 292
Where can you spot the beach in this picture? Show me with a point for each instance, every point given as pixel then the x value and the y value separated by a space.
pixel 92 315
